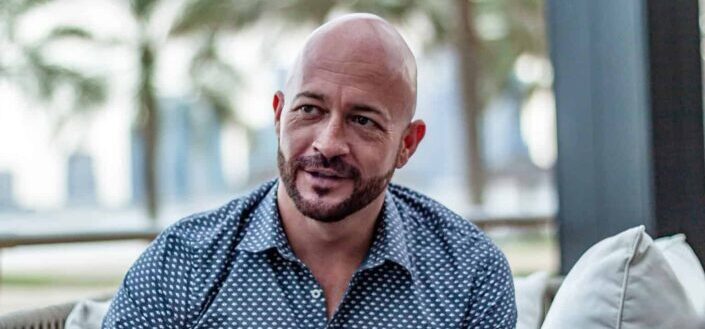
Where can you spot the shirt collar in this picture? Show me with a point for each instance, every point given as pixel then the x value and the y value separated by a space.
pixel 265 231
pixel 389 241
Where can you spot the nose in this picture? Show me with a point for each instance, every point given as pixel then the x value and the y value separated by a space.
pixel 331 141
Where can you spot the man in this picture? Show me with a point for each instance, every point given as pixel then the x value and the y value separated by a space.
pixel 331 243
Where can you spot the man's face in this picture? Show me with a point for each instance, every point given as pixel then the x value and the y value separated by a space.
pixel 340 132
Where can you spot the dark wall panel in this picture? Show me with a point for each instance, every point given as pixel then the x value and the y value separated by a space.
pixel 617 168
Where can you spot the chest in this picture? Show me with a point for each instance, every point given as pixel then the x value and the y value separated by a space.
pixel 279 294
pixel 334 282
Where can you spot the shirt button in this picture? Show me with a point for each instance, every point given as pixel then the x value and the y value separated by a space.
pixel 316 293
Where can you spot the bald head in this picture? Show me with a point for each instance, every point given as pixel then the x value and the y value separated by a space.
pixel 347 112
pixel 366 46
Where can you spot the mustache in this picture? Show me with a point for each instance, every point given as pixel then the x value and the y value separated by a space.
pixel 318 161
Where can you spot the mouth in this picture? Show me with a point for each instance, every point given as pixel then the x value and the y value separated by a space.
pixel 322 174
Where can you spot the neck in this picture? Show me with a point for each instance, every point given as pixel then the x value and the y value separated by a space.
pixel 346 240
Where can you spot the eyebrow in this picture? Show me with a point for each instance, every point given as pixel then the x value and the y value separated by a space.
pixel 355 107
pixel 367 108
pixel 309 94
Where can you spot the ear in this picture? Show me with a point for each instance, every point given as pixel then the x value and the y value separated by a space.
pixel 278 106
pixel 410 140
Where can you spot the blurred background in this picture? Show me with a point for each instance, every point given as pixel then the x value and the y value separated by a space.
pixel 119 117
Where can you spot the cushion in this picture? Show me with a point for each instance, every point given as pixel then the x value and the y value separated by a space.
pixel 87 314
pixel 622 282
pixel 529 298
pixel 687 267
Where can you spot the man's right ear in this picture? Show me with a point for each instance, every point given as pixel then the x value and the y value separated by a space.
pixel 278 106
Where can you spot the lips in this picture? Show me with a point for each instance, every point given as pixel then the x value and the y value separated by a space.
pixel 324 174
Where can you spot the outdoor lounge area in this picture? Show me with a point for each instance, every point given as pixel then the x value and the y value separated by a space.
pixel 140 145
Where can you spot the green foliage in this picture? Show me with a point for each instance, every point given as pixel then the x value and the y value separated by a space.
pixel 143 9
pixel 212 15
pixel 519 25
pixel 63 32
pixel 14 8
pixel 44 79
pixel 214 79
pixel 37 76
pixel 524 33
pixel 299 12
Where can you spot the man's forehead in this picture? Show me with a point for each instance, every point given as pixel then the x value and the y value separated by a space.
pixel 362 48
pixel 360 38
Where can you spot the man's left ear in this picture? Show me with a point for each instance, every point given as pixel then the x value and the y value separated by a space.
pixel 410 140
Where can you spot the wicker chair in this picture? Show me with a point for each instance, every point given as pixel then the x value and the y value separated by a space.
pixel 50 317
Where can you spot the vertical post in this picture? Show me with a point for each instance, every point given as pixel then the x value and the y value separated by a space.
pixel 0 275
pixel 677 120
pixel 629 116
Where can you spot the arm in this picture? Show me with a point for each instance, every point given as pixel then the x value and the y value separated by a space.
pixel 154 293
pixel 493 304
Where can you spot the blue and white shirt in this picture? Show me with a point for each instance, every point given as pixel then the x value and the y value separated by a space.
pixel 233 268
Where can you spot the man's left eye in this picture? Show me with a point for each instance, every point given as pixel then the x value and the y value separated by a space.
pixel 363 121
pixel 309 109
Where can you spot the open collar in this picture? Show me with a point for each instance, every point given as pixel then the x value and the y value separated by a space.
pixel 265 231
pixel 389 241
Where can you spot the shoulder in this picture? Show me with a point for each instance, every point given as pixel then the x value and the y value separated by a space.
pixel 439 237
pixel 425 215
pixel 224 224
pixel 456 261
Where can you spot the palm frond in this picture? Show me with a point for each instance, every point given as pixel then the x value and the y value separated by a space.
pixel 142 9
pixel 296 12
pixel 11 10
pixel 68 31
pixel 200 15
pixel 44 79
pixel 214 80
pixel 390 9
pixel 18 7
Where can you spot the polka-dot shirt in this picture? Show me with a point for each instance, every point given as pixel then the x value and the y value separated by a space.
pixel 233 268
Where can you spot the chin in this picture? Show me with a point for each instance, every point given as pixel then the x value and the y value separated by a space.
pixel 318 188
pixel 326 197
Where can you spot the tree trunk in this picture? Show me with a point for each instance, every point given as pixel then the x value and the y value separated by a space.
pixel 149 124
pixel 467 48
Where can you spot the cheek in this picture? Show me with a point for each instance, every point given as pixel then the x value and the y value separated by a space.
pixel 294 140
pixel 377 159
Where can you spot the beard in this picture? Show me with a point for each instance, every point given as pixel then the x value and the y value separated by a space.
pixel 364 191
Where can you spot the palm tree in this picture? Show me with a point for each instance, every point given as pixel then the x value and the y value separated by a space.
pixel 27 65
pixel 147 111
pixel 212 78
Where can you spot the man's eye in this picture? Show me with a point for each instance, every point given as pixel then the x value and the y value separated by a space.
pixel 308 109
pixel 363 121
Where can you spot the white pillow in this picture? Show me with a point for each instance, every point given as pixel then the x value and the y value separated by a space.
pixel 686 266
pixel 529 293
pixel 87 314
pixel 622 282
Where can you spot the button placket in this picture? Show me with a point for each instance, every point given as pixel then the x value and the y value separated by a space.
pixel 316 293
pixel 316 304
